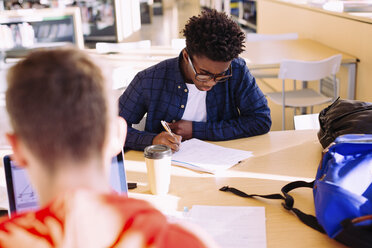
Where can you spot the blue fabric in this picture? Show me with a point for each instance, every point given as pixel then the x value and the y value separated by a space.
pixel 235 109
pixel 342 188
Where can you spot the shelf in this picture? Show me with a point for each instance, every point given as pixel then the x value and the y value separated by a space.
pixel 246 9
pixel 17 52
pixel 17 19
pixel 49 25
pixel 250 24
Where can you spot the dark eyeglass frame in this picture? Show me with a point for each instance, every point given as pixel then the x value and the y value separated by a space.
pixel 207 77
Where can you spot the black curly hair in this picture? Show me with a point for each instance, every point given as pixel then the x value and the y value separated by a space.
pixel 214 35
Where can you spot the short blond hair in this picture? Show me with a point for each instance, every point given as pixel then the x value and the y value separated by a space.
pixel 57 104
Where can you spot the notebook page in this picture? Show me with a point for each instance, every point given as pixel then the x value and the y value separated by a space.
pixel 232 226
pixel 203 156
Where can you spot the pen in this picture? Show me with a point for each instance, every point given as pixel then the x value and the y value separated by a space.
pixel 166 127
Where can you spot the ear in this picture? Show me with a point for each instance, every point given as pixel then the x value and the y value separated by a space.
pixel 118 135
pixel 185 55
pixel 18 154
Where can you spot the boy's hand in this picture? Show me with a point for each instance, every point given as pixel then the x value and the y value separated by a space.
pixel 164 138
pixel 182 128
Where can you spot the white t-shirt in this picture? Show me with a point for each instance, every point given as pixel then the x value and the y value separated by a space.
pixel 196 108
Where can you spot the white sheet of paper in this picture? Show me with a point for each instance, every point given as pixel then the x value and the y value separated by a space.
pixel 203 156
pixel 232 226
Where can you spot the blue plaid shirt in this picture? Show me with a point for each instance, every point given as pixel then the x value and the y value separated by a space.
pixel 235 108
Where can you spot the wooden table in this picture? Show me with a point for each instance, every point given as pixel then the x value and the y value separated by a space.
pixel 279 157
pixel 268 55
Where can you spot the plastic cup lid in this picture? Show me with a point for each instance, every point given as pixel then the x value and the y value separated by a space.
pixel 157 151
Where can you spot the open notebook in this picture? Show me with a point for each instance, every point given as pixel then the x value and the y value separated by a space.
pixel 22 197
pixel 206 157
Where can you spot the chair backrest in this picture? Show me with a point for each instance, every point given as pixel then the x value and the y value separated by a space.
pixel 178 43
pixel 105 47
pixel 141 125
pixel 309 70
pixel 304 122
pixel 251 37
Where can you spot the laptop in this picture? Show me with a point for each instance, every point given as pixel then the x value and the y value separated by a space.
pixel 22 197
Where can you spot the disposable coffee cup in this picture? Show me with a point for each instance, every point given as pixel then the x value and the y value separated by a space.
pixel 158 164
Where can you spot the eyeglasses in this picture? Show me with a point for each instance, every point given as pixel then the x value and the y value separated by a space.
pixel 218 78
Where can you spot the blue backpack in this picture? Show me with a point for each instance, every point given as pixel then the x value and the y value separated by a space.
pixel 342 192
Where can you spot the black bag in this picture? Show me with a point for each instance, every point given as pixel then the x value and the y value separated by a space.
pixel 344 117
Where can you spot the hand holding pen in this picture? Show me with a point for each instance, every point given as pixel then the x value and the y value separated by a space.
pixel 168 138
pixel 166 127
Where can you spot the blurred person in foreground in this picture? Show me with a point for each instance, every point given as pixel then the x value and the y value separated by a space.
pixel 65 132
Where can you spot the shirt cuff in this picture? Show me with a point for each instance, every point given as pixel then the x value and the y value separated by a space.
pixel 199 130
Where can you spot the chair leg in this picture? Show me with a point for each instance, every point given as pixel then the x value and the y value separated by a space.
pixel 283 104
pixel 304 109
pixel 283 118
pixel 312 109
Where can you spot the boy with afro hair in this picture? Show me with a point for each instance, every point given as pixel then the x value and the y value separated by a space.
pixel 207 92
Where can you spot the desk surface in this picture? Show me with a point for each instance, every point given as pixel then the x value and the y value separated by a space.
pixel 268 54
pixel 279 157
pixel 361 16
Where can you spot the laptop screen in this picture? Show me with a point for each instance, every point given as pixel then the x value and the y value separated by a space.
pixel 22 197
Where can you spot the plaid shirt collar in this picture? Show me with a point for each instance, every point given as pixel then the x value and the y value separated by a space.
pixel 179 76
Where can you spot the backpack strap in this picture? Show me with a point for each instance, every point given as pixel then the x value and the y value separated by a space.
pixel 307 219
pixel 242 194
pixel 356 232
